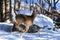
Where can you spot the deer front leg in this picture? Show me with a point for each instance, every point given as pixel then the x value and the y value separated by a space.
pixel 27 28
pixel 28 24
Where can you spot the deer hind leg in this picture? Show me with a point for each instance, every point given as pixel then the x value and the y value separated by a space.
pixel 17 26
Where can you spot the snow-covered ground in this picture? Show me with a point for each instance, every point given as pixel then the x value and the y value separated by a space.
pixel 43 34
pixel 41 21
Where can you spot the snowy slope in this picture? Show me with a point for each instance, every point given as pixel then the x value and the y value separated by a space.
pixel 40 20
pixel 43 20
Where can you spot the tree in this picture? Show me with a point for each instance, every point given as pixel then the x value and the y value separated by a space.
pixel 50 4
pixel 16 5
pixel 1 12
pixel 8 10
pixel 55 2
pixel 42 5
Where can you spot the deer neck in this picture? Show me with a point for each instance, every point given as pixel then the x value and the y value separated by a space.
pixel 34 15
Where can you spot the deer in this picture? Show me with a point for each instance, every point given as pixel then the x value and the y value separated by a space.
pixel 27 20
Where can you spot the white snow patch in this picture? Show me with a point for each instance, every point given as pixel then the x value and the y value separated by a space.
pixel 42 20
pixel 4 23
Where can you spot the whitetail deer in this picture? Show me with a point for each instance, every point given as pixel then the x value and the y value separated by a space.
pixel 27 20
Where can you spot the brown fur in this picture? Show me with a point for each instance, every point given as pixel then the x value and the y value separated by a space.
pixel 27 20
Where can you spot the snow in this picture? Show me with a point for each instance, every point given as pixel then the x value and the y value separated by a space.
pixel 42 20
pixel 25 12
pixel 41 35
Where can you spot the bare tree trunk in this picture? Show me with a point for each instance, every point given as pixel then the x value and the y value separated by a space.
pixel 50 4
pixel 42 6
pixel 1 12
pixel 55 2
pixel 8 10
pixel 16 5
pixel 4 11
